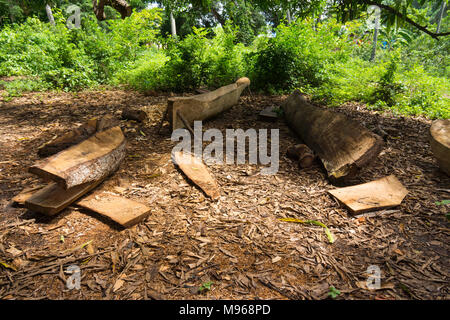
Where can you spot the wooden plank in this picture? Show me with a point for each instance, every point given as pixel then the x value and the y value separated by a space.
pixel 204 106
pixel 89 161
pixel 124 211
pixel 440 143
pixel 198 173
pixel 24 195
pixel 379 194
pixel 53 198
pixel 268 114
pixel 343 145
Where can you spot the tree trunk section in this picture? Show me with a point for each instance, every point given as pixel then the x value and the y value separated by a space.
pixel 375 40
pixel 342 144
pixel 121 6
pixel 89 161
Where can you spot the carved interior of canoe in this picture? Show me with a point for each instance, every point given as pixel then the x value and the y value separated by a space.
pixel 88 161
pixel 342 144
pixel 206 105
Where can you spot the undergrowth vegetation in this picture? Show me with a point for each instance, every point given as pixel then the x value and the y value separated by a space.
pixel 410 76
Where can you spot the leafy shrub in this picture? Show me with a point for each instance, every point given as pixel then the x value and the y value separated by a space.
pixel 146 74
pixel 298 56
pixel 387 88
pixel 195 61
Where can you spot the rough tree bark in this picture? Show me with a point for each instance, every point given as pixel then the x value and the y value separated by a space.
pixel 89 161
pixel 121 6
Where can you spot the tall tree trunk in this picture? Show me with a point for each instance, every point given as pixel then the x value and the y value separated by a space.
pixel 375 40
pixel 173 26
pixel 288 16
pixel 217 16
pixel 49 14
pixel 441 14
pixel 11 15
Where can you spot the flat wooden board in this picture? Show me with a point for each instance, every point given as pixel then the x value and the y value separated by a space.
pixel 198 173
pixel 53 198
pixel 440 143
pixel 24 195
pixel 383 193
pixel 85 162
pixel 124 211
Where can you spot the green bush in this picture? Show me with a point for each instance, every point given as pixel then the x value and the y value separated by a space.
pixel 297 56
pixel 327 61
pixel 195 61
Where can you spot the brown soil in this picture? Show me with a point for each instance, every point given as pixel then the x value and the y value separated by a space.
pixel 238 243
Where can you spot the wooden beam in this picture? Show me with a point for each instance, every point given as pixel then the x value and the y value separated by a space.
pixel 343 145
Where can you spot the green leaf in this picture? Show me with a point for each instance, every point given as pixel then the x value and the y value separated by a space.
pixel 333 292
pixel 318 223
pixel 205 286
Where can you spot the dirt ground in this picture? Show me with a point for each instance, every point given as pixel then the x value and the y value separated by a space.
pixel 237 245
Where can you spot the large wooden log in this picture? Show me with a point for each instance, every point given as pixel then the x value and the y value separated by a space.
pixel 440 143
pixel 342 144
pixel 204 106
pixel 89 161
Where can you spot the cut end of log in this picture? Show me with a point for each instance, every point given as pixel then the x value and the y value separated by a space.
pixel 440 143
